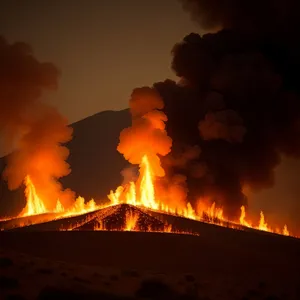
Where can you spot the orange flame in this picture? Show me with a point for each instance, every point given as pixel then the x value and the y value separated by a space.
pixel 147 198
pixel 243 216
pixel 262 223
pixel 147 187
pixel 131 221
pixel 285 230
pixel 34 205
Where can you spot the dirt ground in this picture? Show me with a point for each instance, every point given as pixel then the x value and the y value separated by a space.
pixel 108 265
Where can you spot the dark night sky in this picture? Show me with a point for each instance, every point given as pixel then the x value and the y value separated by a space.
pixel 105 48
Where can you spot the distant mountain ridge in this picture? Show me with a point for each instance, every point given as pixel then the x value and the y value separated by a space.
pixel 94 160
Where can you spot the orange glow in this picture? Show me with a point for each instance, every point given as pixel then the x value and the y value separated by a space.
pixel 215 212
pixel 59 207
pixel 262 223
pixel 243 216
pixel 131 195
pixel 211 212
pixel 143 144
pixel 80 207
pixel 147 187
pixel 99 226
pixel 34 205
pixel 131 225
pixel 141 193
pixel 131 221
pixel 285 230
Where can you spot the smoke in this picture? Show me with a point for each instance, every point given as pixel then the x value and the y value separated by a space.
pixel 130 174
pixel 225 124
pixel 32 129
pixel 268 16
pixel 147 134
pixel 238 98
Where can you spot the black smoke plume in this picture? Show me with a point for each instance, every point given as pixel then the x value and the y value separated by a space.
pixel 238 97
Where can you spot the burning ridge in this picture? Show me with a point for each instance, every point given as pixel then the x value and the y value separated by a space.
pixel 194 146
pixel 126 217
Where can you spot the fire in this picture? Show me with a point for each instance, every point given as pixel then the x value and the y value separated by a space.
pixel 142 144
pixel 59 207
pixel 131 195
pixel 100 226
pixel 141 193
pixel 168 228
pixel 211 212
pixel 144 195
pixel 285 230
pixel 131 221
pixel 145 189
pixel 80 207
pixel 262 223
pixel 215 212
pixel 34 205
pixel 243 216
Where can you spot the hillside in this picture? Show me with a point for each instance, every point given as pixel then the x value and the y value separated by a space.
pixel 94 160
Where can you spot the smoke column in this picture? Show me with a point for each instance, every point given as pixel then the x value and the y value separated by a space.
pixel 237 100
pixel 34 130
pixel 147 135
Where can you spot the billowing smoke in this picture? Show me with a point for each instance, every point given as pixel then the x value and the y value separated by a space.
pixel 32 129
pixel 147 134
pixel 237 100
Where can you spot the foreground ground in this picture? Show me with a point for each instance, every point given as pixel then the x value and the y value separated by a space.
pixel 224 264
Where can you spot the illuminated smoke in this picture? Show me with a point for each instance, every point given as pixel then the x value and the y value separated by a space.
pixel 147 135
pixel 34 130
